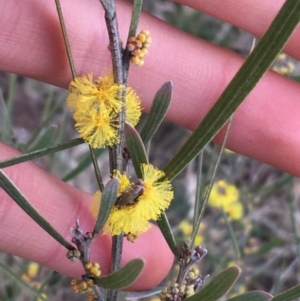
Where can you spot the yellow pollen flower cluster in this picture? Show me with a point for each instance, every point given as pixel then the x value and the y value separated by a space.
pixel 96 105
pixel 132 217
pixel 139 47
pixel 226 196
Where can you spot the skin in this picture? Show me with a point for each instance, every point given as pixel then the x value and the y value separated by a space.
pixel 31 45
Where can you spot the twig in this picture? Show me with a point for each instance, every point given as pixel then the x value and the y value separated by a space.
pixel 116 152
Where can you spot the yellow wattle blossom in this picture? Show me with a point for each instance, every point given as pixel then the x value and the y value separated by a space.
pixel 102 92
pixel 124 181
pixel 133 107
pixel 133 217
pixel 31 273
pixel 96 105
pixel 226 196
pixel 97 127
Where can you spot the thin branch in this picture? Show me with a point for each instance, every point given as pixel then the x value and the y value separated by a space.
pixel 116 152
pixel 66 39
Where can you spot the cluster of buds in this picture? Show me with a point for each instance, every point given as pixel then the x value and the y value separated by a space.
pixel 282 65
pixel 193 273
pixel 82 286
pixel 92 297
pixel 189 279
pixel 73 255
pixel 138 46
pixel 93 268
pixel 177 292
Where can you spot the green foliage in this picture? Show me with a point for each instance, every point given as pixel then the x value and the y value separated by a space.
pixel 10 188
pixel 123 277
pixel 218 286
pixel 240 86
pixel 41 152
pixel 20 281
pixel 136 148
pixel 157 112
pixel 289 295
pixel 136 12
pixel 244 81
pixel 45 139
pixel 252 296
pixel 167 232
pixel 6 111
pixel 82 165
pixel 108 199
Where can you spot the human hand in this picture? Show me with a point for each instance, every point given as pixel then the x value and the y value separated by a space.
pixel 61 204
pixel 265 126
pixel 32 45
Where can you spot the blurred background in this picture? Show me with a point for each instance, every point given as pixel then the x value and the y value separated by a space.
pixel 253 216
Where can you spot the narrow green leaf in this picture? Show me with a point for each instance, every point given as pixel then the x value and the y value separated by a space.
pixel 45 139
pixel 166 230
pixel 135 17
pixel 218 286
pixel 96 169
pixel 108 199
pixel 138 156
pixel 122 277
pixel 22 282
pixel 48 106
pixel 6 109
pixel 158 111
pixel 62 130
pixel 40 153
pixel 198 204
pixel 289 295
pixel 268 246
pixel 45 282
pixel 136 148
pixel 241 85
pixel 232 235
pixel 203 203
pixel 5 122
pixel 13 81
pixel 9 187
pixel 82 165
pixel 252 296
pixel 144 294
